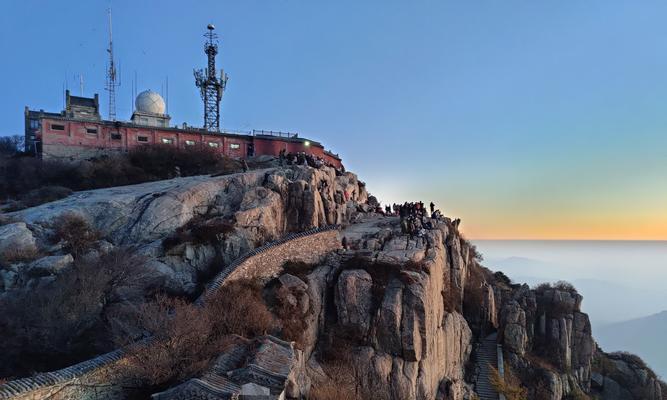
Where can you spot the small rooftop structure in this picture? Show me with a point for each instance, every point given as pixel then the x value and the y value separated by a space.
pixel 87 108
pixel 150 110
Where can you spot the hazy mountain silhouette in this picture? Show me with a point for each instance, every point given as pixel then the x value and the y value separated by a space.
pixel 643 336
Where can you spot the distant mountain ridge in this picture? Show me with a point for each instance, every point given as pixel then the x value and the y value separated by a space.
pixel 651 347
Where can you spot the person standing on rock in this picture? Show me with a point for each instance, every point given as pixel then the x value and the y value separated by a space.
pixel 432 208
pixel 244 165
pixel 281 155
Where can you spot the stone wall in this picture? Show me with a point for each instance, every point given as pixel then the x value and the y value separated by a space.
pixel 266 261
pixel 80 381
pixel 310 248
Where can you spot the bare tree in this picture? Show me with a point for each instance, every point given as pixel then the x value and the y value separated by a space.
pixel 10 145
pixel 65 321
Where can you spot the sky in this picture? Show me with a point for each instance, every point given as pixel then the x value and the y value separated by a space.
pixel 527 120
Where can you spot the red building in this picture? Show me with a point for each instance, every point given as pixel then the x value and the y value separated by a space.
pixel 78 132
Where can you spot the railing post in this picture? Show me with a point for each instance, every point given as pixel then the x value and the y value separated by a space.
pixel 501 367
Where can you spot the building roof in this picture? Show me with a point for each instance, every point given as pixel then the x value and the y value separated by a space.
pixel 82 101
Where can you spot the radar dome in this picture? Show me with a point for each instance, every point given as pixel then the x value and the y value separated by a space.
pixel 150 102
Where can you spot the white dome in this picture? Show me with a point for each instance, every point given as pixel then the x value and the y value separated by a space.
pixel 150 103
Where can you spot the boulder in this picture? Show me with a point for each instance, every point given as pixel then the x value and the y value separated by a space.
pixel 16 237
pixel 49 265
pixel 354 300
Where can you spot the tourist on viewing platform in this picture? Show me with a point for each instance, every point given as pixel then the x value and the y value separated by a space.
pixel 414 219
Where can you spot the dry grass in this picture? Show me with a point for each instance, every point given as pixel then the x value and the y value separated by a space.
pixel 541 362
pixel 75 233
pixel 19 255
pixel 510 386
pixel 293 323
pixel 186 337
pixel 239 309
pixel 578 394
pixel 341 382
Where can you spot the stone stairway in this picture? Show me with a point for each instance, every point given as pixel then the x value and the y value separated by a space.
pixel 487 354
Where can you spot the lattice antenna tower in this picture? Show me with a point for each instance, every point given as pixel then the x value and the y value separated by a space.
pixel 210 85
pixel 113 78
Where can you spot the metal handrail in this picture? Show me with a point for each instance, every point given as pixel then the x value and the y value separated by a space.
pixel 259 132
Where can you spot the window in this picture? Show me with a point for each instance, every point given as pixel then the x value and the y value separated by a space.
pixel 167 141
pixel 213 144
pixel 234 146
pixel 57 127
pixel 34 124
pixel 116 136
pixel 190 142
pixel 142 138
pixel 92 131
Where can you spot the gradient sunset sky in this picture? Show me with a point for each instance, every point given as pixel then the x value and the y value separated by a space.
pixel 531 120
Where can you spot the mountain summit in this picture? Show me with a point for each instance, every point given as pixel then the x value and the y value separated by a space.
pixel 282 282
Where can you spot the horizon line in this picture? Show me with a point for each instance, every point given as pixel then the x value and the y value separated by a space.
pixel 564 240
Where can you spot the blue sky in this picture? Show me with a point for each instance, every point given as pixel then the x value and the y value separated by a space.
pixel 526 119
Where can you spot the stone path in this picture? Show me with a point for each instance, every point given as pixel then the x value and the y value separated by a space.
pixel 487 355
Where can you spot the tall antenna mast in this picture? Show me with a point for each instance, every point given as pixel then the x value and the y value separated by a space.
pixel 111 83
pixel 210 86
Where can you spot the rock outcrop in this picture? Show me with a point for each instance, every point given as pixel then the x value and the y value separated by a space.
pixel 391 316
pixel 385 312
pixel 16 238
pixel 260 205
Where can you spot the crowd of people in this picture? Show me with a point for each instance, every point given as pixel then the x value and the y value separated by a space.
pixel 303 158
pixel 415 218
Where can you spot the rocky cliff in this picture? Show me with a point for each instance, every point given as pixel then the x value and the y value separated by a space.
pixel 390 316
pixel 258 206
pixel 381 312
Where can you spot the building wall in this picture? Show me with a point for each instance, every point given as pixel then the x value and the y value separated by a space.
pixel 85 139
pixel 273 146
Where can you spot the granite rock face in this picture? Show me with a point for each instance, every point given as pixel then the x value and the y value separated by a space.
pixel 545 335
pixel 262 205
pixel 622 376
pixel 398 314
pixel 389 316
pixel 16 237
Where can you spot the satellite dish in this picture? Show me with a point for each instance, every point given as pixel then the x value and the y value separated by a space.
pixel 210 27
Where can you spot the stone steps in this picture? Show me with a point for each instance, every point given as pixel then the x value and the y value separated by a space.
pixel 486 356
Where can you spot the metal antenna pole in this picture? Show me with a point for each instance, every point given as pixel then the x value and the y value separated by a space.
pixel 210 86
pixel 111 83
